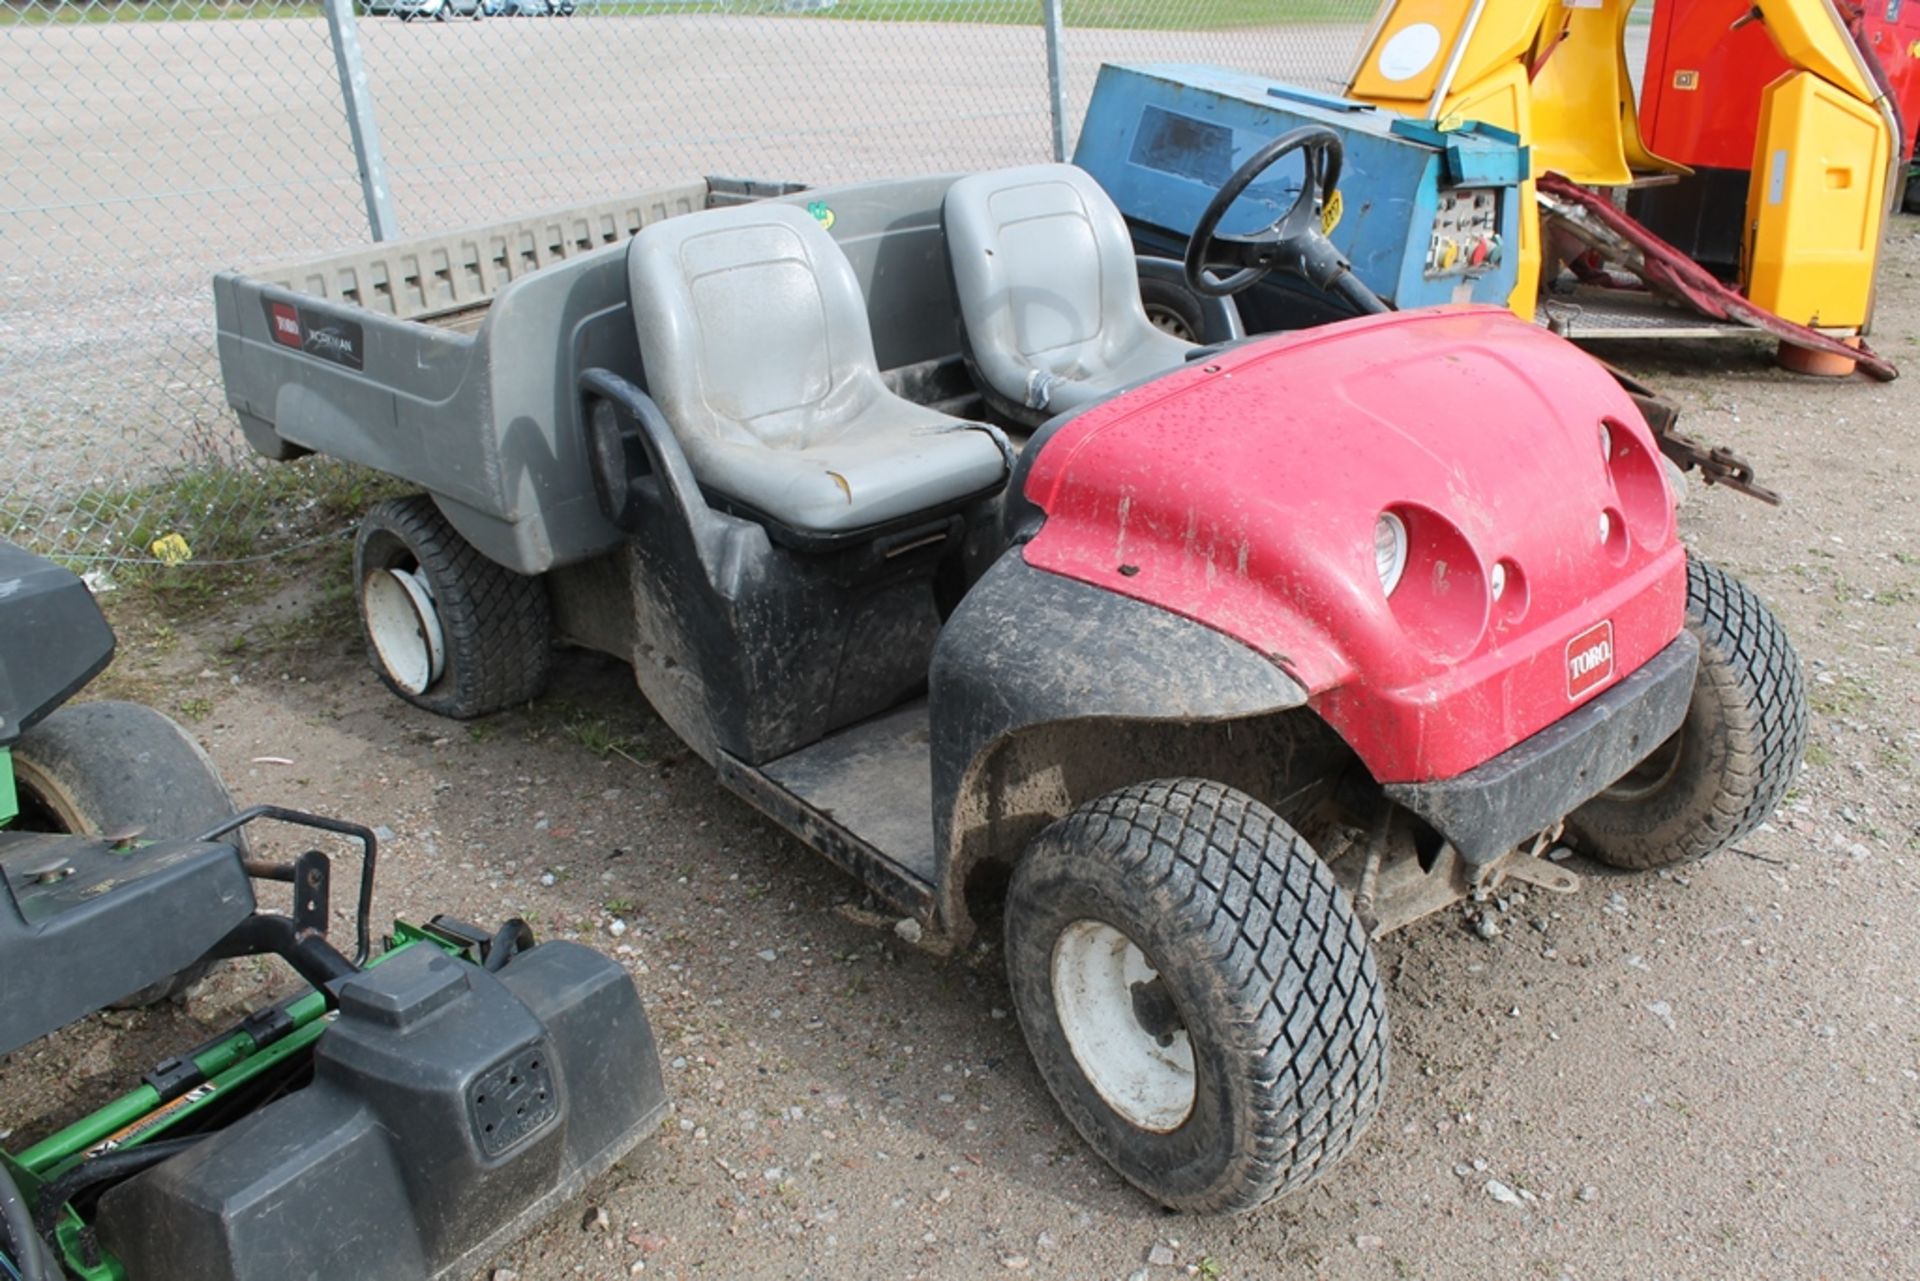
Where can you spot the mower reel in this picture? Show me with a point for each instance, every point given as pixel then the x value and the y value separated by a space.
pixel 403 1116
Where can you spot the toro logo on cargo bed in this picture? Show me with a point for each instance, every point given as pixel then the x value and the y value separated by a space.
pixel 1589 660
pixel 284 318
pixel 327 337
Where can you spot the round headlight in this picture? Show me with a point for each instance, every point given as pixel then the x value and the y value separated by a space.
pixel 1389 550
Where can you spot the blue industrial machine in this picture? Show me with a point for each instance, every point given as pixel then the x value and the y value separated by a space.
pixel 1426 215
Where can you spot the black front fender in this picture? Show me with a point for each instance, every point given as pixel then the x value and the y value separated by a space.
pixel 1029 648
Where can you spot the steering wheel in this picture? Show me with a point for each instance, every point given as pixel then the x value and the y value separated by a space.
pixel 1294 242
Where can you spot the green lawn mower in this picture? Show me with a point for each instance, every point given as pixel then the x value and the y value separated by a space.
pixel 404 1116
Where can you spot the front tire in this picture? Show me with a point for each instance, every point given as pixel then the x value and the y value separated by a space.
pixel 1733 758
pixel 1197 993
pixel 446 628
pixel 121 771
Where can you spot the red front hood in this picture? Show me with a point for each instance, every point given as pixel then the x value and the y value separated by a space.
pixel 1243 492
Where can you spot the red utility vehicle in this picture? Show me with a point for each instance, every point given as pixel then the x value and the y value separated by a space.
pixel 1208 663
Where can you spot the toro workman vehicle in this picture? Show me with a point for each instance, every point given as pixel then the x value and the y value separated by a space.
pixel 1210 662
pixel 404 1115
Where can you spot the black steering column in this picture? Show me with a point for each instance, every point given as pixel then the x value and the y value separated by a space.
pixel 1295 242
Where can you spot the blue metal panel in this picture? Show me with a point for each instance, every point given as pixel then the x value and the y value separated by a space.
pixel 1163 138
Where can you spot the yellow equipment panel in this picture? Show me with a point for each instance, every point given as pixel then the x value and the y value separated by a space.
pixel 1815 203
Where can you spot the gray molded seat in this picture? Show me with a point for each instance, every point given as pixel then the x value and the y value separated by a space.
pixel 1044 270
pixel 754 335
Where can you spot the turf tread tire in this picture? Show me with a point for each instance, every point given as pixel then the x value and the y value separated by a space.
pixel 497 625
pixel 1743 739
pixel 1242 919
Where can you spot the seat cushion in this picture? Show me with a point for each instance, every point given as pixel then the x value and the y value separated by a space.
pixel 895 461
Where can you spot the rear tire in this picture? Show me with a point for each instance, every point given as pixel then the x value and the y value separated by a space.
pixel 120 771
pixel 1734 756
pixel 446 628
pixel 1197 993
pixel 1174 309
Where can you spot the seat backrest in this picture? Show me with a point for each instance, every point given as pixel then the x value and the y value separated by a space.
pixel 751 323
pixel 1045 273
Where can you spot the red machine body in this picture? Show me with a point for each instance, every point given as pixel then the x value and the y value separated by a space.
pixel 1893 38
pixel 1244 491
pixel 1700 99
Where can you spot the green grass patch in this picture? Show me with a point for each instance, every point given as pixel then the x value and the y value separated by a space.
pixel 219 514
pixel 1847 696
pixel 246 528
pixel 600 735
pixel 98 13
pixel 598 732
pixel 329 617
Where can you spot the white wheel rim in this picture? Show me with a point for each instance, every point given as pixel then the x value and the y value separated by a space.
pixel 1169 321
pixel 404 627
pixel 1096 969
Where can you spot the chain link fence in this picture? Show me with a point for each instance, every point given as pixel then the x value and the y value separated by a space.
pixel 147 145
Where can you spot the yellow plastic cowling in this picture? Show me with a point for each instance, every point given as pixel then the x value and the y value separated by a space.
pixel 1811 34
pixel 1413 41
pixel 1815 204
pixel 1585 124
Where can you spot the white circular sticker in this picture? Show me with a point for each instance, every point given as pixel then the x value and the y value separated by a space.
pixel 1409 51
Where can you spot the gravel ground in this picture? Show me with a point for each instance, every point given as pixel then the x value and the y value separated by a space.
pixel 1713 1073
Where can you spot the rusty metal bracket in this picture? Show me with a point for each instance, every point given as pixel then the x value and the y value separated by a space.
pixel 1716 464
pixel 1529 864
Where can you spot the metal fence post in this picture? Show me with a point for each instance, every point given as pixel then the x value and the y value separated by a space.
pixel 357 97
pixel 1056 77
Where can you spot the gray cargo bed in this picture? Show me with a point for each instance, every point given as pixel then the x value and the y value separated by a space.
pixel 384 355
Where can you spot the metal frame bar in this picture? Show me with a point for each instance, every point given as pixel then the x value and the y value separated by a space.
pixel 1056 76
pixel 1444 85
pixel 357 97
